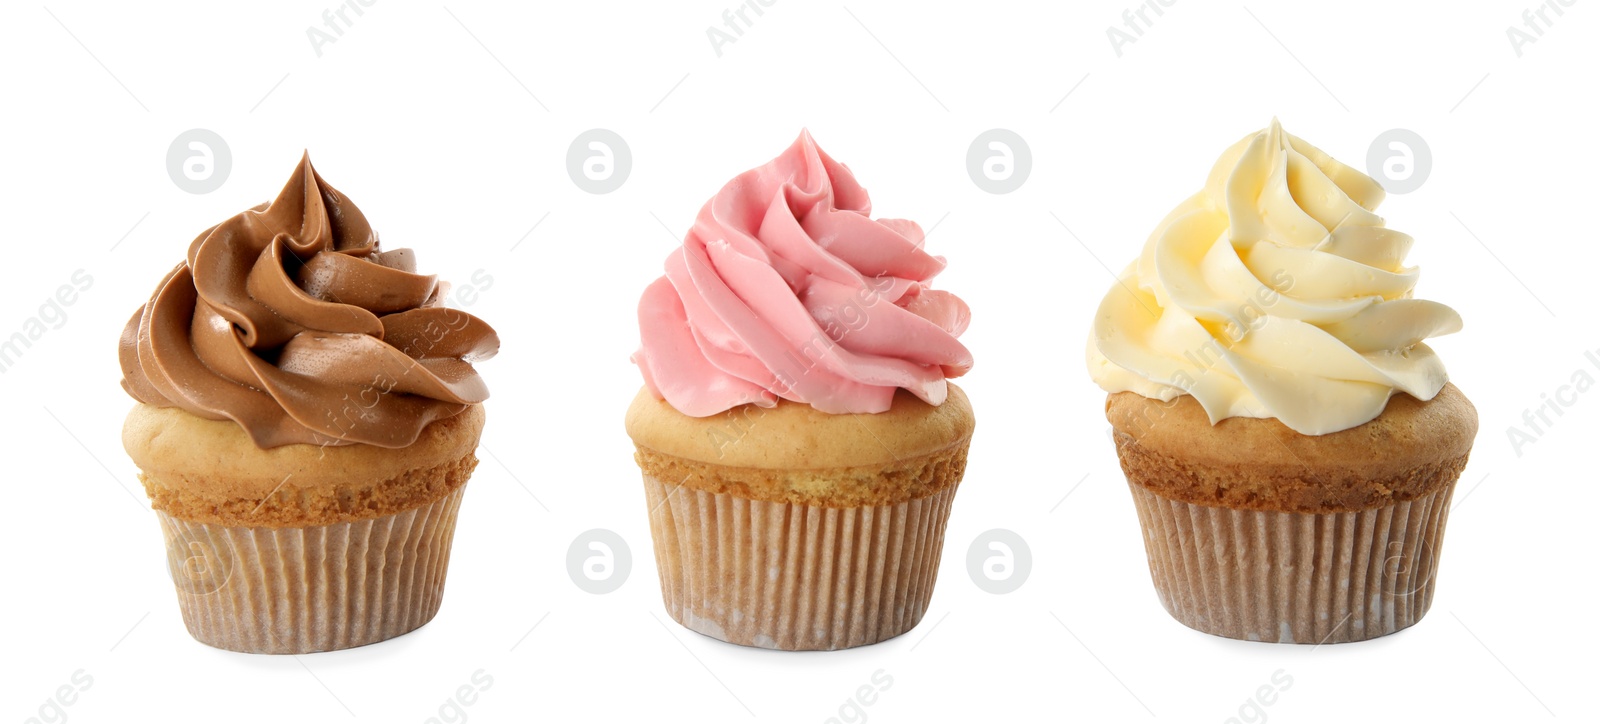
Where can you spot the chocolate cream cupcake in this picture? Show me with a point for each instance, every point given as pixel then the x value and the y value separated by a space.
pixel 306 423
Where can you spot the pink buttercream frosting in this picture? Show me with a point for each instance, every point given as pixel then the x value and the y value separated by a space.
pixel 786 287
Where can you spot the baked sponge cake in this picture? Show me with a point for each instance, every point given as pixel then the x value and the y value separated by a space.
pixel 1257 532
pixel 848 510
pixel 306 424
pixel 799 441
pixel 292 485
pixel 1290 440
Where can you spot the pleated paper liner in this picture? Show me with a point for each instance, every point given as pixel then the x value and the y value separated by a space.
pixel 795 577
pixel 1308 578
pixel 319 588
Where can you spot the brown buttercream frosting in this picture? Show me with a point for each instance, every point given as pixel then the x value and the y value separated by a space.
pixel 291 321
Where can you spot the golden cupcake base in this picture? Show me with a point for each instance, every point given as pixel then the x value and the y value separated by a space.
pixel 1256 532
pixel 789 528
pixel 301 548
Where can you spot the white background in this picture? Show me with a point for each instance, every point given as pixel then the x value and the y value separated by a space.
pixel 449 126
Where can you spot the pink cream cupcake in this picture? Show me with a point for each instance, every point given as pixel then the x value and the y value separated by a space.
pixel 799 440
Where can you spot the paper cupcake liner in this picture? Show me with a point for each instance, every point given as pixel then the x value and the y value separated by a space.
pixel 318 588
pixel 1308 578
pixel 795 577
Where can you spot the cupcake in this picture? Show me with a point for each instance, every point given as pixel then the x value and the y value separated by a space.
pixel 306 421
pixel 1290 441
pixel 799 440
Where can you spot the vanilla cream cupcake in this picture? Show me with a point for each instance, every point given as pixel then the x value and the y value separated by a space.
pixel 799 440
pixel 1290 440
pixel 307 420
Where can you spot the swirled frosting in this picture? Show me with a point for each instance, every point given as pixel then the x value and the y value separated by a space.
pixel 291 321
pixel 1276 292
pixel 786 287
